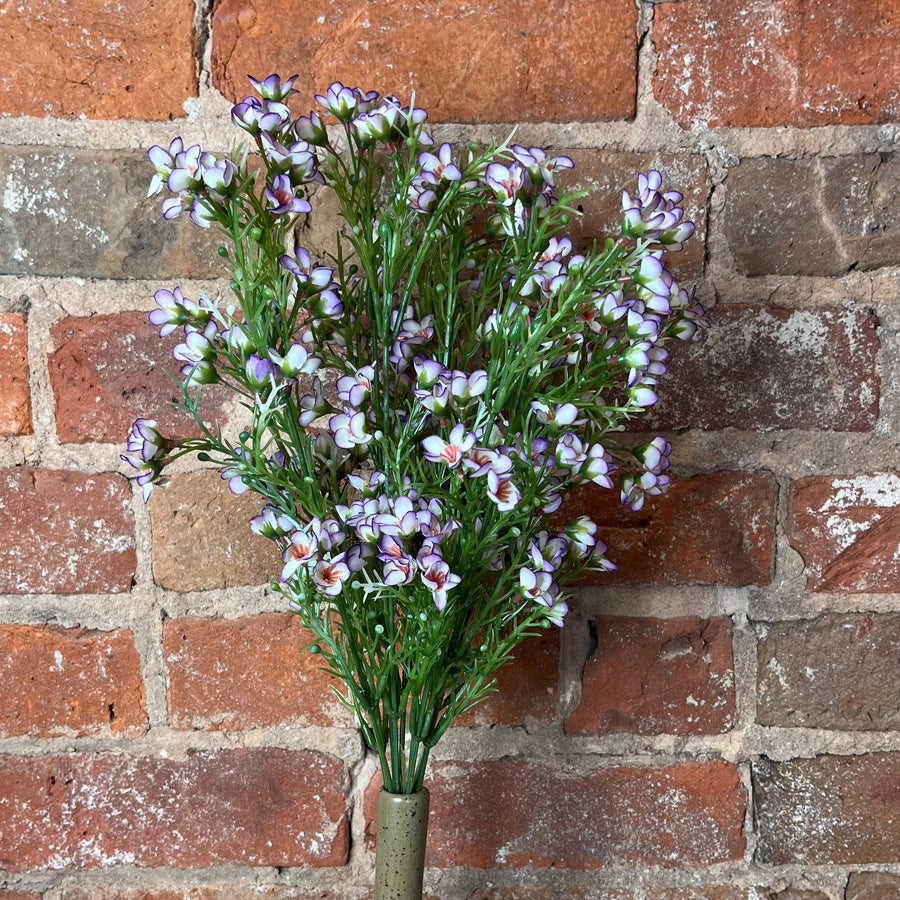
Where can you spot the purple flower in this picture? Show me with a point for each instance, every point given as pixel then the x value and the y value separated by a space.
pixel 505 182
pixel 421 196
pixel 198 346
pixel 281 197
pixel 297 361
pixel 353 389
pixel 256 117
pixel 163 161
pixel 296 161
pixel 481 461
pixel 314 405
pixel 538 586
pixel 349 430
pixel 301 549
pixel 451 451
pixel 259 372
pixel 273 88
pixel 437 576
pixel 428 371
pixel 502 491
pixel 344 103
pixel 174 310
pixel 438 165
pixel 271 523
pixel 310 279
pixel 312 130
pixel 329 575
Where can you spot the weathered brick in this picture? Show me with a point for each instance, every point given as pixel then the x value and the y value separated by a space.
pixel 502 64
pixel 697 892
pixel 65 532
pixel 15 387
pixel 100 60
pixel 736 62
pixel 202 539
pixel 606 174
pixel 872 886
pixel 710 529
pixel 221 891
pixel 654 676
pixel 108 370
pixel 829 809
pixel 19 895
pixel 768 367
pixel 847 530
pixel 804 666
pixel 274 680
pixel 819 216
pixel 261 807
pixel 793 893
pixel 70 681
pixel 526 689
pixel 83 213
pixel 511 813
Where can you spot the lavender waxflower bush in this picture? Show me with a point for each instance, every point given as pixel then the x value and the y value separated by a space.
pixel 477 369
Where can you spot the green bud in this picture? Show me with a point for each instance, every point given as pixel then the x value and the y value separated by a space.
pixel 379 435
pixel 204 457
pixel 255 233
pixel 357 231
pixel 223 252
pixel 379 628
pixel 315 648
pixel 515 531
pixel 483 648
pixel 423 617
pixel 244 436
pixel 564 219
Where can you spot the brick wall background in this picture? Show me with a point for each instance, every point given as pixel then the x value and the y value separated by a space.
pixel 719 721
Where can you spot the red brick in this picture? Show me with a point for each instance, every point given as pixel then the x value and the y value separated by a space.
pixel 847 530
pixel 697 892
pixel 829 809
pixel 654 676
pixel 273 680
pixel 510 813
pixel 108 370
pixel 471 62
pixel 70 681
pixel 526 690
pixel 15 389
pixel 202 538
pixel 261 807
pixel 873 886
pixel 710 529
pixel 784 62
pixel 763 368
pixel 19 895
pixel 803 672
pixel 65 532
pixel 83 214
pixel 839 211
pixel 103 60
pixel 219 892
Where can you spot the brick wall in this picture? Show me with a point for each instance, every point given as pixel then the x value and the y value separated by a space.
pixel 718 721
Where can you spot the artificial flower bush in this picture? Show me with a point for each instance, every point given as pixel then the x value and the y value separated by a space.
pixel 419 404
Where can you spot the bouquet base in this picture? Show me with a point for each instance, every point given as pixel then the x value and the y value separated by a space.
pixel 402 827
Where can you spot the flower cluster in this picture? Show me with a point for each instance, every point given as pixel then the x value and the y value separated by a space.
pixel 420 403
